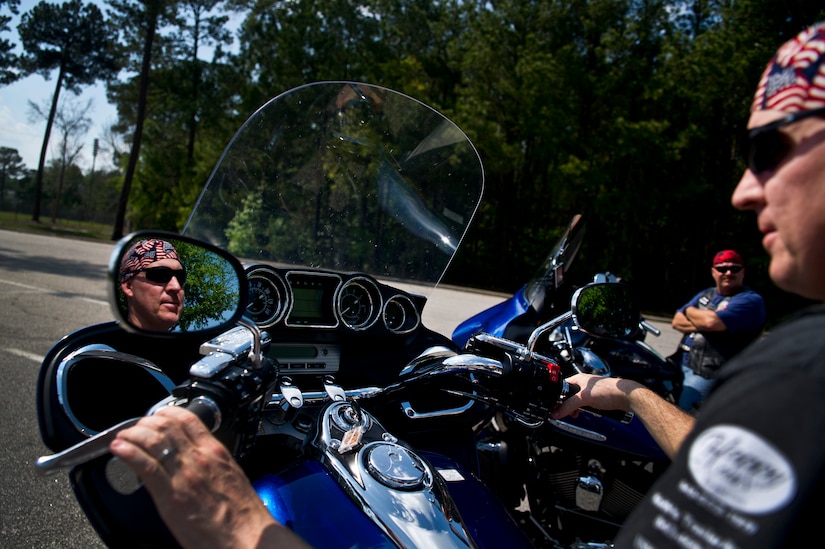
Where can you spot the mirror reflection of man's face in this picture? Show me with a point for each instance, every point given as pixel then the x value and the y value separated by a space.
pixel 155 306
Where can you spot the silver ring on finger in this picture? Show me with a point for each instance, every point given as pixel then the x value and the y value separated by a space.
pixel 166 453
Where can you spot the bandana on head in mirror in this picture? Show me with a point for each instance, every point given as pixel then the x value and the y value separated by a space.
pixel 143 253
pixel 794 80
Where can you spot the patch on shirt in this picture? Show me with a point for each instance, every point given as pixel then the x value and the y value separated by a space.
pixel 741 470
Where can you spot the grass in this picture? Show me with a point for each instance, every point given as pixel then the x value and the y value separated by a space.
pixel 22 222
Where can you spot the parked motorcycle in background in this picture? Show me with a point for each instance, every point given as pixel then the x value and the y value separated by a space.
pixel 309 256
pixel 546 296
pixel 582 474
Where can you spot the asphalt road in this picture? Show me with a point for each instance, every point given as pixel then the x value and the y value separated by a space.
pixel 50 287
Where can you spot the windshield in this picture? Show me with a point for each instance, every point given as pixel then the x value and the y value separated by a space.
pixel 347 177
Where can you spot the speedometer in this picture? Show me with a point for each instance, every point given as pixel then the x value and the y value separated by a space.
pixel 358 303
pixel 268 298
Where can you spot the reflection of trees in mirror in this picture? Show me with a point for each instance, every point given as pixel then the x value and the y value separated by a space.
pixel 211 293
pixel 606 309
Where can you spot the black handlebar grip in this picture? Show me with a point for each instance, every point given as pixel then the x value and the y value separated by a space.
pixel 616 415
pixel 207 411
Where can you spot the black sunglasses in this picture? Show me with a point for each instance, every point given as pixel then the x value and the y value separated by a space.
pixel 768 147
pixel 725 268
pixel 163 275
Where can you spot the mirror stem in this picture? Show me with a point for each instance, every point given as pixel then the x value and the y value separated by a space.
pixel 255 354
pixel 549 325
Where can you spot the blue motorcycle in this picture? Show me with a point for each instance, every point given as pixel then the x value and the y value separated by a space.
pixel 546 295
pixel 309 256
pixel 582 474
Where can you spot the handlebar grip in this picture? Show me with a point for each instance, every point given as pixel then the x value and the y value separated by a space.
pixel 207 411
pixel 616 415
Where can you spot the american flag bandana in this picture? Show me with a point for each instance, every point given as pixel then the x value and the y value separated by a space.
pixel 794 80
pixel 143 253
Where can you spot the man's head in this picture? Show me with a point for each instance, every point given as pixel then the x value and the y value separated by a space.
pixel 785 181
pixel 728 272
pixel 152 278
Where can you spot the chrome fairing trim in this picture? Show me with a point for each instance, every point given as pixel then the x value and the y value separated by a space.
pixel 99 351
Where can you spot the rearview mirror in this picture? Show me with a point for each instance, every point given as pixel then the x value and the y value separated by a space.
pixel 162 282
pixel 605 309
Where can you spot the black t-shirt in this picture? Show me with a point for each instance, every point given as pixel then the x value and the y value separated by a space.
pixel 752 472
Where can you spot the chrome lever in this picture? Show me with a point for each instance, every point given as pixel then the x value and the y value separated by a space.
pixel 82 452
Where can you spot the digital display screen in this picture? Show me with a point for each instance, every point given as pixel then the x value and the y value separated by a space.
pixel 311 299
pixel 307 304
pixel 286 352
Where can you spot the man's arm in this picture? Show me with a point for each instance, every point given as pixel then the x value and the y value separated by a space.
pixel 681 323
pixel 705 320
pixel 666 423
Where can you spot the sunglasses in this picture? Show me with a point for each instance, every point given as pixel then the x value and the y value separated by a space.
pixel 725 268
pixel 768 147
pixel 163 275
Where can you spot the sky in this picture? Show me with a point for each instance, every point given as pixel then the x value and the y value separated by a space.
pixel 19 131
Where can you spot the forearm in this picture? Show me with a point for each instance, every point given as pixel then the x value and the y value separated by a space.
pixel 705 320
pixel 681 323
pixel 666 423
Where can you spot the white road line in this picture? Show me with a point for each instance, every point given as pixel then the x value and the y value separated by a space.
pixel 25 354
pixel 13 283
pixel 55 292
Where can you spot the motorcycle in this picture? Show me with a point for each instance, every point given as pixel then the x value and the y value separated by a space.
pixel 309 257
pixel 584 474
pixel 544 295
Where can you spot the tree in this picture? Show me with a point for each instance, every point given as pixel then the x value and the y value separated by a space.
pixel 140 22
pixel 11 166
pixel 76 41
pixel 8 60
pixel 72 122
pixel 193 114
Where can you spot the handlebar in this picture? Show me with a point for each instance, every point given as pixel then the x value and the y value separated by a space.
pixel 230 388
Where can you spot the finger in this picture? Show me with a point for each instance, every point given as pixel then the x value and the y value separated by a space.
pixel 187 425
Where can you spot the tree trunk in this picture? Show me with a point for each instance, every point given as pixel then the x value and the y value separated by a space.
pixel 38 188
pixel 117 233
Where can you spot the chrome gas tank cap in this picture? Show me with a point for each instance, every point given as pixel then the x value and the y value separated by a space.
pixel 395 466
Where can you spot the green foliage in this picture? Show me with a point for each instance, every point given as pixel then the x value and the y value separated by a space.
pixel 8 59
pixel 629 112
pixel 72 38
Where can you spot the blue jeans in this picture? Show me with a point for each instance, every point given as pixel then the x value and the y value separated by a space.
pixel 695 389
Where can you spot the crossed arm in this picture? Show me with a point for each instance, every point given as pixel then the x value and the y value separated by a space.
pixel 697 320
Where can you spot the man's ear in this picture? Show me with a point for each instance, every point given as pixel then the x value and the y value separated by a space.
pixel 126 287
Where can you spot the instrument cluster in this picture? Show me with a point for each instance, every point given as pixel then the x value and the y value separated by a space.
pixel 305 298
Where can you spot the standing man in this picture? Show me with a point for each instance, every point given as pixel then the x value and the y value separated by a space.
pixel 749 471
pixel 718 323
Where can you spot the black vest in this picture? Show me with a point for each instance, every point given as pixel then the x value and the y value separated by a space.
pixel 710 349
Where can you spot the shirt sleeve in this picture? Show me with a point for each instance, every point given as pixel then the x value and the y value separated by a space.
pixel 694 302
pixel 744 311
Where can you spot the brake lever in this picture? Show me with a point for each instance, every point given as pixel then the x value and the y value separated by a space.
pixel 82 452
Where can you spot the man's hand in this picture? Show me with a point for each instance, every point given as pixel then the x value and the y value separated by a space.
pixel 666 423
pixel 200 491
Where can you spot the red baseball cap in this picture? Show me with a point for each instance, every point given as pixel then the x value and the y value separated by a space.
pixel 727 256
